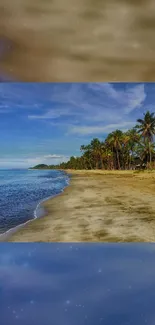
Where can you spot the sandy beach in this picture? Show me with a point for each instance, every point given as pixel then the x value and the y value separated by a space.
pixel 70 41
pixel 112 206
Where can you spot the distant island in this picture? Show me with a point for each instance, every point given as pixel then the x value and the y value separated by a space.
pixel 44 166
pixel 133 149
pixel 40 166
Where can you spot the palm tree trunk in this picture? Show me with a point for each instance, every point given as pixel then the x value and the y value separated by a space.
pixel 102 165
pixel 113 158
pixel 109 164
pixel 96 163
pixel 118 159
pixel 130 160
pixel 90 165
pixel 150 153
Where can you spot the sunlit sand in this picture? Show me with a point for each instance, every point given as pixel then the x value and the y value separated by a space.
pixel 106 206
pixel 77 40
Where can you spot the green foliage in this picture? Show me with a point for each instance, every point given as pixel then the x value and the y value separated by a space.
pixel 40 166
pixel 120 150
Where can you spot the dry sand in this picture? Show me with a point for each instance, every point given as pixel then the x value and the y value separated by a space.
pixel 97 206
pixel 84 40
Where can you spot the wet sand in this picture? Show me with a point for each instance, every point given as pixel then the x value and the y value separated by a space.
pixel 97 206
pixel 81 41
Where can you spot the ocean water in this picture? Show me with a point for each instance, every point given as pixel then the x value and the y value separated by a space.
pixel 21 191
pixel 77 284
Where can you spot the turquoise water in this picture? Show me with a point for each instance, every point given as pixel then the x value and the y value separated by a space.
pixel 22 190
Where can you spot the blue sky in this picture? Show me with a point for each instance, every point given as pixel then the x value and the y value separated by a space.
pixel 48 122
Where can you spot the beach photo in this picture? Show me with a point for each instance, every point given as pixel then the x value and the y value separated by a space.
pixel 77 162
pixel 78 284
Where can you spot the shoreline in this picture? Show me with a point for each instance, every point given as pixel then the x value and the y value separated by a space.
pixel 40 206
pixel 99 206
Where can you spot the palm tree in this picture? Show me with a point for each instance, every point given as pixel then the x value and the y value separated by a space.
pixel 145 150
pixel 119 149
pixel 107 158
pixel 146 128
pixel 133 139
pixel 114 140
pixel 125 150
pixel 87 154
pixel 96 149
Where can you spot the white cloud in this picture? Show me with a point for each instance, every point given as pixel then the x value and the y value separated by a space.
pixel 54 156
pixel 51 114
pixel 86 130
pixel 94 102
pixel 130 98
pixel 106 88
pixel 135 97
pixel 126 100
pixel 31 161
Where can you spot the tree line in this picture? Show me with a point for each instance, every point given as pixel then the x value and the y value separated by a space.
pixel 119 150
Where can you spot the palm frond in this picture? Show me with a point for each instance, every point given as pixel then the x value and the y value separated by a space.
pixel 141 121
